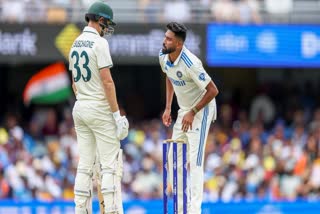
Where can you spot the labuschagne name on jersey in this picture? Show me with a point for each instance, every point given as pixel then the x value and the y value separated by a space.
pixel 83 43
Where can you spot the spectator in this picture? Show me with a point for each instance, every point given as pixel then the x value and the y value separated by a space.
pixel 248 11
pixel 278 10
pixel 146 184
pixel 177 10
pixel 262 108
pixel 50 128
pixel 13 11
pixel 224 11
pixel 151 10
pixel 276 7
pixel 4 186
pixel 35 10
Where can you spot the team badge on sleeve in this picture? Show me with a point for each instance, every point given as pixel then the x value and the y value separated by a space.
pixel 202 77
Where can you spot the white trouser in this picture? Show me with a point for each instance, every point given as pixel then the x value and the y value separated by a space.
pixel 96 132
pixel 196 141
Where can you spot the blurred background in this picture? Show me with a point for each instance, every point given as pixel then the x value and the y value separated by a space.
pixel 263 152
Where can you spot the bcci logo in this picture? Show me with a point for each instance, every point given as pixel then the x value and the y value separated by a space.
pixel 179 74
pixel 202 77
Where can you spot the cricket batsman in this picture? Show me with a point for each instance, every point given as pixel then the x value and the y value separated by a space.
pixel 98 123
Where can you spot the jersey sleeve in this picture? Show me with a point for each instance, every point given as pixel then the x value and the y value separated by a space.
pixel 103 55
pixel 199 75
pixel 70 61
pixel 161 61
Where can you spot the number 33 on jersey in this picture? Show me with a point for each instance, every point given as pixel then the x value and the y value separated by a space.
pixel 89 53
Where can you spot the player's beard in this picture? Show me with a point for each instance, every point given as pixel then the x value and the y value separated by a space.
pixel 167 50
pixel 101 33
pixel 103 30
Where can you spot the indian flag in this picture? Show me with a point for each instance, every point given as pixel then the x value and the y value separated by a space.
pixel 51 85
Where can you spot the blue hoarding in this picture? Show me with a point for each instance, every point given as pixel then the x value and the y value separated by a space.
pixel 155 207
pixel 263 45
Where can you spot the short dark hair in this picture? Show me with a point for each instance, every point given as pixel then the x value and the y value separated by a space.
pixel 91 17
pixel 179 30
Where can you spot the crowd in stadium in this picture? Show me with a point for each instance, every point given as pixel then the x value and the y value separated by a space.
pixel 232 11
pixel 266 150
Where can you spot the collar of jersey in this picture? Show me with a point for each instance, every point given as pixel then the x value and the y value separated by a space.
pixel 177 60
pixel 89 29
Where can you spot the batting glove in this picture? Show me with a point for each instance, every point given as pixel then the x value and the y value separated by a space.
pixel 122 125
